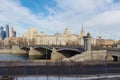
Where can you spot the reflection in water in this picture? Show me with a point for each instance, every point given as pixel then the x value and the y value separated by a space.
pixel 110 77
pixel 51 78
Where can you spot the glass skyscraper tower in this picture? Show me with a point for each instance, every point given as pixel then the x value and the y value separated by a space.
pixel 7 30
pixel 2 33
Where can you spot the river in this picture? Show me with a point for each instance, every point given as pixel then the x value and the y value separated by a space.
pixel 8 57
pixel 92 77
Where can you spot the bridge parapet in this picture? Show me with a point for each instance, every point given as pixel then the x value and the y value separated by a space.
pixel 15 47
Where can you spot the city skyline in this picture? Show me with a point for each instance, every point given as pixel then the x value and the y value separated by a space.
pixel 100 18
pixel 6 32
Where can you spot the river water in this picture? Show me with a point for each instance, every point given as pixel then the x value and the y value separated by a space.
pixel 114 77
pixel 8 57
pixel 49 78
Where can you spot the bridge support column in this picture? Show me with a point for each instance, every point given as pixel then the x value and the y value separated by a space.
pixel 55 56
pixel 34 54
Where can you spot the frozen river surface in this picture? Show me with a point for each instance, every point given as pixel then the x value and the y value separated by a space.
pixel 65 78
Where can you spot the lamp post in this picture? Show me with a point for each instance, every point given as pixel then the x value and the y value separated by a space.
pixel 100 42
pixel 46 61
pixel 46 53
pixel 56 40
pixel 46 48
pixel 106 66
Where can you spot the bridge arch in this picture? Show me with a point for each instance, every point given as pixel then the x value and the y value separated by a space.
pixel 44 51
pixel 115 58
pixel 25 48
pixel 68 52
pixel 64 53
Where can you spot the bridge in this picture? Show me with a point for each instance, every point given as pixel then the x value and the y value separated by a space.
pixel 61 52
pixel 46 52
pixel 75 53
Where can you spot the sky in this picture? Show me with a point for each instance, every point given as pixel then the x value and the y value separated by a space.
pixel 99 17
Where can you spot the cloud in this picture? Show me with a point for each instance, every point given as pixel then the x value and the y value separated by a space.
pixel 83 6
pixel 100 17
pixel 105 24
pixel 11 12
pixel 106 18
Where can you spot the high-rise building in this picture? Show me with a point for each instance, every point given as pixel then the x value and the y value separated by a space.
pixel 1 32
pixel 7 30
pixel 1 28
pixel 3 35
pixel 12 32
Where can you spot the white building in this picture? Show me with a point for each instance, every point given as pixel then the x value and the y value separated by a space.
pixel 66 38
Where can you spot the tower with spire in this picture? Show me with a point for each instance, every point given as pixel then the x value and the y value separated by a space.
pixel 82 33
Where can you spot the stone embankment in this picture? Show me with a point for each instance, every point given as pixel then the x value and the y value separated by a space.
pixel 18 52
pixel 5 51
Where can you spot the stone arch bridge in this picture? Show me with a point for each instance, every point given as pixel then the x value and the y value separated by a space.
pixel 47 52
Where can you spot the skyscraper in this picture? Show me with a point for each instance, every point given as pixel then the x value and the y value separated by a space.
pixel 1 28
pixel 12 32
pixel 7 30
pixel 1 33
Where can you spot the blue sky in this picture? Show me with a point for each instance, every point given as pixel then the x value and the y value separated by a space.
pixel 100 17
pixel 37 6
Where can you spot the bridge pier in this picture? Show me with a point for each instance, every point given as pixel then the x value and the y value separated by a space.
pixel 34 54
pixel 55 56
pixel 16 50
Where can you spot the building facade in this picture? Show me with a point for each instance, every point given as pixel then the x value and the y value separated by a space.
pixel 106 42
pixel 65 38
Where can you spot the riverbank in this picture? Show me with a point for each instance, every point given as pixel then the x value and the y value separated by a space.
pixel 53 63
pixel 56 68
pixel 5 51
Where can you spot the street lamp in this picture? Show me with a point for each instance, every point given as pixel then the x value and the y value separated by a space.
pixel 46 53
pixel 100 42
pixel 46 48
pixel 106 66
